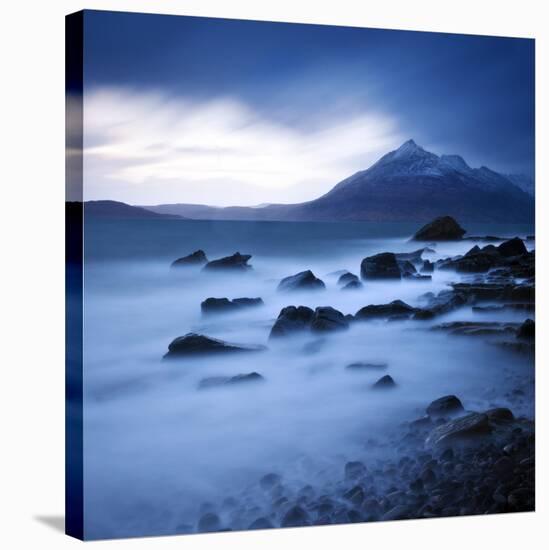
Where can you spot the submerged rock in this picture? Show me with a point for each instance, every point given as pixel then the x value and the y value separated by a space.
pixel 216 381
pixel 347 278
pixel 527 331
pixel 224 305
pixel 380 266
pixel 395 308
pixel 236 262
pixel 209 522
pixel 443 302
pixel 305 280
pixel 355 470
pixel 366 366
pixel 444 228
pixel 292 319
pixel 196 258
pixel 449 405
pixel 197 344
pixel 385 382
pixel 352 285
pixel 327 319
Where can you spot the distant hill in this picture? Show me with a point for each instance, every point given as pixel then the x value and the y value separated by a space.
pixel 114 209
pixel 408 184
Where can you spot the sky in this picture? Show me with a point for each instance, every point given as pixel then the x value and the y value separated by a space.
pixel 230 112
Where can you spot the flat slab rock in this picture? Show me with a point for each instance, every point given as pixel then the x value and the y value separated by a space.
pixel 491 426
pixel 236 262
pixel 193 344
pixel 224 305
pixel 220 381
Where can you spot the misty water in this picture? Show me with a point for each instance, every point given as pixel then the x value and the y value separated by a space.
pixel 157 449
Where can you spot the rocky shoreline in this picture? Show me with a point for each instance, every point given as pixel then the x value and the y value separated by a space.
pixel 450 461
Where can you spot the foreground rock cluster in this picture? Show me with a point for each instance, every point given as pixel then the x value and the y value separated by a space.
pixel 448 463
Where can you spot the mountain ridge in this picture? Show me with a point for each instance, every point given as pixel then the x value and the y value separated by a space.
pixel 407 184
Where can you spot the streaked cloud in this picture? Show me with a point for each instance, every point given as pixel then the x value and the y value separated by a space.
pixel 150 147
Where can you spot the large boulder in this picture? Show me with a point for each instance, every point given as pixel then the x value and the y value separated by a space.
pixel 292 319
pixel 192 344
pixel 464 430
pixel 224 305
pixel 396 308
pixel 196 258
pixel 512 247
pixel 446 406
pixel 327 319
pixel 444 228
pixel 236 262
pixel 216 381
pixel 305 280
pixel 380 266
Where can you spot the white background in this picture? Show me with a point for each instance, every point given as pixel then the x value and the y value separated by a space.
pixel 32 272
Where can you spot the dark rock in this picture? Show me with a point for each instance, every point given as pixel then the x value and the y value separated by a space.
pixel 407 268
pixel 444 302
pixel 196 258
pixel 380 266
pixel 216 381
pixel 427 267
pixel 327 319
pixel 417 277
pixel 292 319
pixel 449 405
pixel 512 247
pixel 352 285
pixel 414 257
pixel 224 305
pixel 355 470
pixel 198 344
pixel 385 382
pixel 461 430
pixel 476 328
pixel 236 262
pixel 248 302
pixel 347 278
pixel 359 366
pixel 355 495
pixel 501 414
pixel 209 522
pixel 305 280
pixel 444 228
pixel 295 517
pixel 261 523
pixel 400 511
pixel 527 331
pixel 397 307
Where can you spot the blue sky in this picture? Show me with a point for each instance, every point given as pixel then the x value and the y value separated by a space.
pixel 186 109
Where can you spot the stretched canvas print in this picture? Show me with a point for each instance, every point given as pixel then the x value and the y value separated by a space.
pixel 300 275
